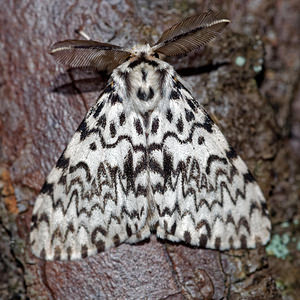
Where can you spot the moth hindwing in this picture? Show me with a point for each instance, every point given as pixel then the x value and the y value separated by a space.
pixel 146 158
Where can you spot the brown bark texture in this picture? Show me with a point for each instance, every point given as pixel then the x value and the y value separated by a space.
pixel 248 79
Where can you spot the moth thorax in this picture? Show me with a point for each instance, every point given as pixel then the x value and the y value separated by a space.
pixel 145 89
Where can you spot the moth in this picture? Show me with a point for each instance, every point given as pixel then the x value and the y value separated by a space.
pixel 147 158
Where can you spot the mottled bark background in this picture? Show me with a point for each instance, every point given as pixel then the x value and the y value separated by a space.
pixel 248 80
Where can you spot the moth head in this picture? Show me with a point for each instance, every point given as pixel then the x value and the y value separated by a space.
pixel 139 49
pixel 181 38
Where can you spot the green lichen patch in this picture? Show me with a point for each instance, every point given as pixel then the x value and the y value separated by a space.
pixel 284 224
pixel 278 246
pixel 240 61
pixel 257 69
pixel 298 245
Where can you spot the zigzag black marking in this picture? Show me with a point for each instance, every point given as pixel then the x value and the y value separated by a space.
pixel 168 171
pixel 114 177
pixel 57 234
pixel 192 181
pixel 213 158
pixel 202 223
pixel 155 146
pixel 190 171
pixel 82 166
pixel 168 211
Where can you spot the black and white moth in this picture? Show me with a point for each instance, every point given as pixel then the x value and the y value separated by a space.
pixel 146 158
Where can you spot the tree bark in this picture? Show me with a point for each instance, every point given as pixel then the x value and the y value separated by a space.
pixel 248 79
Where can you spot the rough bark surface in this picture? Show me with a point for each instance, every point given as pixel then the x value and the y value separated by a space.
pixel 249 82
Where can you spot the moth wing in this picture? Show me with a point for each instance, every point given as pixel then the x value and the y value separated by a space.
pixel 95 196
pixel 203 192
